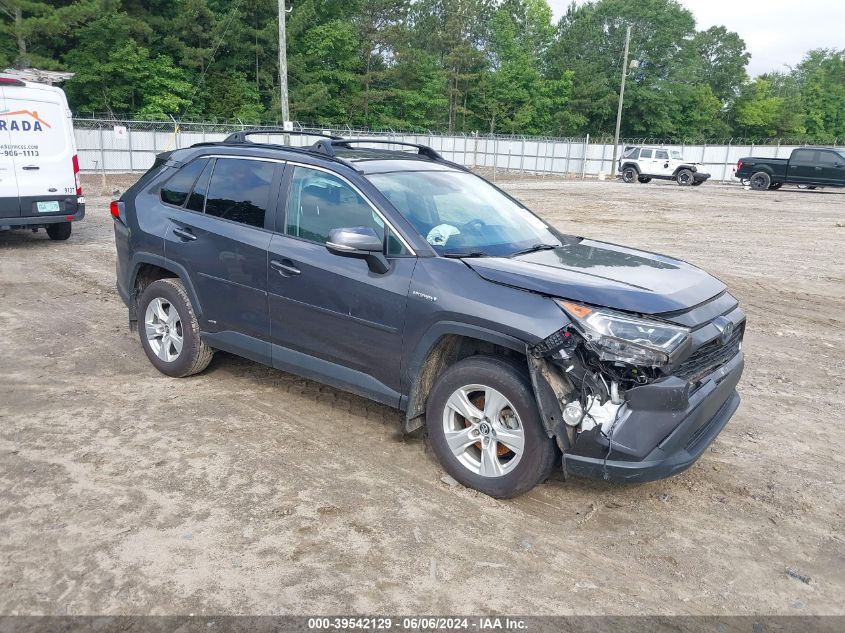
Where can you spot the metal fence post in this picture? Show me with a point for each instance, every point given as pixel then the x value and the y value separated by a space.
pixel 129 138
pixel 584 161
pixel 495 156
pixel 102 160
pixel 727 161
pixel 568 154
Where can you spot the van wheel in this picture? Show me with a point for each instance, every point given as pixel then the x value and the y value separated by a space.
pixel 760 181
pixel 59 231
pixel 170 333
pixel 684 177
pixel 629 174
pixel 485 428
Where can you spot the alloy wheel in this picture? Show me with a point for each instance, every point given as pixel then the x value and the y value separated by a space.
pixel 163 328
pixel 483 430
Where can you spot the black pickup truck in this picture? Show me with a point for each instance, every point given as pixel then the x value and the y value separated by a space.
pixel 809 166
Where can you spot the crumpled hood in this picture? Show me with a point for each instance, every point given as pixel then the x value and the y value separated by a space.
pixel 605 275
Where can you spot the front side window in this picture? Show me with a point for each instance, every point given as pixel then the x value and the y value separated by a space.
pixel 175 191
pixel 459 213
pixel 319 202
pixel 661 154
pixel 677 155
pixel 240 190
pixel 828 159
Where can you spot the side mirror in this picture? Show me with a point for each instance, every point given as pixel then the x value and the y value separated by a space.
pixel 361 242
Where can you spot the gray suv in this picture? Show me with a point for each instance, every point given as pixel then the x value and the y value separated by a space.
pixel 406 279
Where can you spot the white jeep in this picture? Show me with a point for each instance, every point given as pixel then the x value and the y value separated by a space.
pixel 644 163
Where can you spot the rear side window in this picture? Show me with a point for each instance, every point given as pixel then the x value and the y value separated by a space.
pixel 175 191
pixel 240 190
pixel 196 201
pixel 804 156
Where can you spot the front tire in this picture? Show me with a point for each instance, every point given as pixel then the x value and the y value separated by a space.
pixel 485 428
pixel 761 181
pixel 169 331
pixel 684 177
pixel 59 231
pixel 629 175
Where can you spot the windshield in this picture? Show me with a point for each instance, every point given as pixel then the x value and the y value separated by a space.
pixel 461 214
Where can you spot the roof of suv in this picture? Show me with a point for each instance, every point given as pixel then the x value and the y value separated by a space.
pixel 355 153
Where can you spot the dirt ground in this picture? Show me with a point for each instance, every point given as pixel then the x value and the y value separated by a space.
pixel 249 490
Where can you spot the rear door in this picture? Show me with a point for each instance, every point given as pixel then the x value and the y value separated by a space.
pixel 218 234
pixel 10 206
pixel 662 164
pixel 802 167
pixel 40 127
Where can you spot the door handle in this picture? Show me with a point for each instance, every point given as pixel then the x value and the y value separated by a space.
pixel 30 167
pixel 184 234
pixel 285 267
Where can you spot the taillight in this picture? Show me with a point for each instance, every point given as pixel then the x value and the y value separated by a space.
pixel 114 208
pixel 76 176
pixel 739 165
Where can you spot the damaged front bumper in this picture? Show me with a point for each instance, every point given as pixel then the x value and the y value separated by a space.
pixel 657 440
pixel 664 429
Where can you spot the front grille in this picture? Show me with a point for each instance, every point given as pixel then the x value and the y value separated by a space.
pixel 710 357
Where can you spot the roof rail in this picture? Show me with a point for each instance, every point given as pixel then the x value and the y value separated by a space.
pixel 327 147
pixel 239 137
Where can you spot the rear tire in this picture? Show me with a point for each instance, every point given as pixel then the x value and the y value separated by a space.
pixel 760 181
pixel 629 175
pixel 684 177
pixel 498 444
pixel 59 231
pixel 169 331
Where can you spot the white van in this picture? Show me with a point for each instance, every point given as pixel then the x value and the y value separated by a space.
pixel 39 168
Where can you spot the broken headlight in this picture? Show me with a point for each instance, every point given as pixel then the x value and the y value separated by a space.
pixel 623 338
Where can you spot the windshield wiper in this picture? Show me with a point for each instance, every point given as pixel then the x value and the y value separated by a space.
pixel 460 255
pixel 535 248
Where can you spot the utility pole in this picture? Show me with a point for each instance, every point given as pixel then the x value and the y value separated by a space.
pixel 283 64
pixel 621 99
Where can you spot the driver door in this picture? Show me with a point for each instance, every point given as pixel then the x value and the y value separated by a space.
pixel 331 317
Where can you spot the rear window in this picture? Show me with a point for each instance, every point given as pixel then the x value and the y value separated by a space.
pixel 175 191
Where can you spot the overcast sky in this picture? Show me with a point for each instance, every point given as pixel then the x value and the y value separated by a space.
pixel 776 32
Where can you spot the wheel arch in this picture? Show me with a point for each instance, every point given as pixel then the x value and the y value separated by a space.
pixel 148 268
pixel 631 164
pixel 443 345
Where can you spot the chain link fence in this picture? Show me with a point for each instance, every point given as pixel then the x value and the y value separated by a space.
pixel 114 145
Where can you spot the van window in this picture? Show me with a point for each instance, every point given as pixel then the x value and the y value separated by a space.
pixel 175 191
pixel 240 190
pixel 646 153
